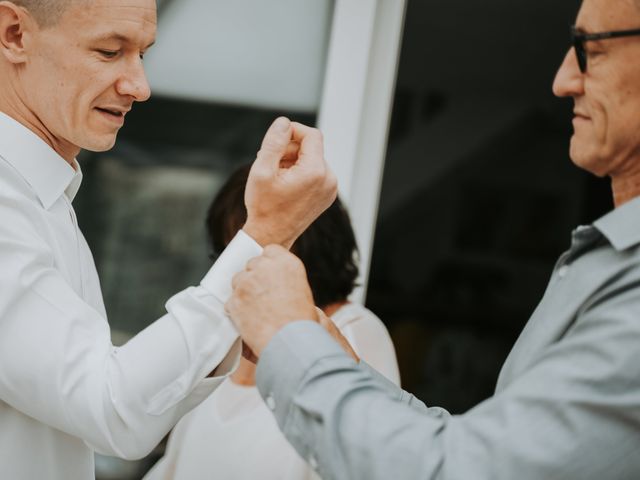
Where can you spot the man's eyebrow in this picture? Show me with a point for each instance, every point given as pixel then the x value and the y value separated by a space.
pixel 120 38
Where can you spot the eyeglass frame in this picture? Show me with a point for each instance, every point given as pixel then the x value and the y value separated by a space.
pixel 578 38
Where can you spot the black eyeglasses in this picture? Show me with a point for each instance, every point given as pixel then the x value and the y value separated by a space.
pixel 578 38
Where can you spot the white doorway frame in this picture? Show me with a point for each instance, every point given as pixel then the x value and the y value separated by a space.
pixel 355 109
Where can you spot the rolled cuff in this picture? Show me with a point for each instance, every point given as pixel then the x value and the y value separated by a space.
pixel 232 260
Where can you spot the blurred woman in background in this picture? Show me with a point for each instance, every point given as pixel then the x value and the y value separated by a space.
pixel 232 434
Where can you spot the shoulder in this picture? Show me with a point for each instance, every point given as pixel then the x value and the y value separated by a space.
pixel 20 208
pixel 369 338
pixel 23 230
pixel 355 320
pixel 13 185
pixel 354 313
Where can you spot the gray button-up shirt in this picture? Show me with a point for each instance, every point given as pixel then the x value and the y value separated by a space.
pixel 566 406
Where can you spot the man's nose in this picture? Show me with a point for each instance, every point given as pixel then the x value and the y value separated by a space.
pixel 134 82
pixel 569 81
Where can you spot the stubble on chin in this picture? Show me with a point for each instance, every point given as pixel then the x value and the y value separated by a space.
pixel 586 159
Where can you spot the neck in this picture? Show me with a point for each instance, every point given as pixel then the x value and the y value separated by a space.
pixel 333 307
pixel 625 188
pixel 12 105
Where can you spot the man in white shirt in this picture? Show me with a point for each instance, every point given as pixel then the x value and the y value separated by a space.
pixel 70 70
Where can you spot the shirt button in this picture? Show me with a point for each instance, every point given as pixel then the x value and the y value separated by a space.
pixel 271 402
pixel 563 270
pixel 313 463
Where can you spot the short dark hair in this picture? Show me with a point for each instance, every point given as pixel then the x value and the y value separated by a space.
pixel 46 12
pixel 327 248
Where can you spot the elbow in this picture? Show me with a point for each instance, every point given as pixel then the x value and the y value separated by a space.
pixel 124 445
pixel 124 431
pixel 136 451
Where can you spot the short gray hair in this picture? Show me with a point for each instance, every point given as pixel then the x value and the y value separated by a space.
pixel 46 12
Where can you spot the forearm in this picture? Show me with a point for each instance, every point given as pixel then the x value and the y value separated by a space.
pixel 559 419
pixel 397 393
pixel 349 413
pixel 162 372
pixel 119 400
pixel 57 363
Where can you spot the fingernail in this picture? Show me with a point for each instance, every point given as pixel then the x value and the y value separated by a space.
pixel 281 124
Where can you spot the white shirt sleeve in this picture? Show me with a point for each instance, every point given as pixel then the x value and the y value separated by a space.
pixel 165 468
pixel 58 366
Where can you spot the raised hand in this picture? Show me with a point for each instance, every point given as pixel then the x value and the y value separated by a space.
pixel 289 184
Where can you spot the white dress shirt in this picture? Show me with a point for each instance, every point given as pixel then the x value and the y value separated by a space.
pixel 232 435
pixel 65 390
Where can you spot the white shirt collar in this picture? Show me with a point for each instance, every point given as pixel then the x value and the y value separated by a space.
pixel 40 165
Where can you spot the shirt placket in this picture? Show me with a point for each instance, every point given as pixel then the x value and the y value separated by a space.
pixel 76 232
pixel 584 238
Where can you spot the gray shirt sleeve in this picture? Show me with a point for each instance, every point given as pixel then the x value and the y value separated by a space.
pixel 575 413
pixel 395 392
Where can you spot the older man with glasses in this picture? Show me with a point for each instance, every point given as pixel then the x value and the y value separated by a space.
pixel 567 402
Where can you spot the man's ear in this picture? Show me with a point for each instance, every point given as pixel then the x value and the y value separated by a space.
pixel 14 22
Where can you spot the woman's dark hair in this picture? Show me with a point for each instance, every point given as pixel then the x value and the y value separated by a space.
pixel 327 248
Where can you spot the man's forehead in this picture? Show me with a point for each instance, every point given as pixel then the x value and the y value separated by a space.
pixel 603 15
pixel 139 12
pixel 127 21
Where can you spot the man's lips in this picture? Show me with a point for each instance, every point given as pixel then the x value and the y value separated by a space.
pixel 579 119
pixel 114 113
pixel 117 111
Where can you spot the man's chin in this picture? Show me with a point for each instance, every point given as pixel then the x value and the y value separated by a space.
pixel 586 160
pixel 100 144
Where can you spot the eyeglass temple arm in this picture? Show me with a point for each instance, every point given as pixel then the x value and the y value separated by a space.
pixel 604 35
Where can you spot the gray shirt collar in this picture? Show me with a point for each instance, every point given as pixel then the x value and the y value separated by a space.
pixel 622 225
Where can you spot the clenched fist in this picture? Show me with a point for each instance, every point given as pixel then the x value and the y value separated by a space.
pixel 271 292
pixel 289 184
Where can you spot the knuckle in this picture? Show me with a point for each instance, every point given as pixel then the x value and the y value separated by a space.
pixel 316 175
pixel 273 143
pixel 295 262
pixel 270 249
pixel 252 263
pixel 242 289
pixel 257 172
pixel 275 250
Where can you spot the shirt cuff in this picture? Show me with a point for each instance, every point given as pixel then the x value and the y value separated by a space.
pixel 285 361
pixel 232 260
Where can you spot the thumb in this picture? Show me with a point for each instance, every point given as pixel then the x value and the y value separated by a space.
pixel 275 143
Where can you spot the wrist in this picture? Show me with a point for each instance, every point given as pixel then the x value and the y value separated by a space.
pixel 264 235
pixel 261 343
pixel 271 331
